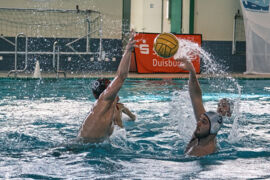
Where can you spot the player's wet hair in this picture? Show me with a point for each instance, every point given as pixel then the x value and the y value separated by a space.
pixel 99 85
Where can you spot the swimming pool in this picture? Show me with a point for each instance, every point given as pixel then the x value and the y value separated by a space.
pixel 40 119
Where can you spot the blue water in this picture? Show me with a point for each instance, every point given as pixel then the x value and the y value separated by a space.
pixel 39 121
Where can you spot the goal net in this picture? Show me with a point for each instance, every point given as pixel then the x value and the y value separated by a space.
pixel 49 23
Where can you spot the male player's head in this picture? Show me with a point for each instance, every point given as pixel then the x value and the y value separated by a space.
pixel 225 107
pixel 99 85
pixel 209 123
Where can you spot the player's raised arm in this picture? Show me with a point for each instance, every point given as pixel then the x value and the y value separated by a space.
pixel 194 88
pixel 122 72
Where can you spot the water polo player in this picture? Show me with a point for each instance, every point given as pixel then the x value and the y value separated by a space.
pixel 99 123
pixel 203 141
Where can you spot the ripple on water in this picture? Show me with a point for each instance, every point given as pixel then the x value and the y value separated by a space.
pixel 38 134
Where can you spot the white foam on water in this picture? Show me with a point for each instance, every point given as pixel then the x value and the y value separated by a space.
pixel 119 138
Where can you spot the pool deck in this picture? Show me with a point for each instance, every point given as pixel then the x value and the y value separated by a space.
pixel 133 75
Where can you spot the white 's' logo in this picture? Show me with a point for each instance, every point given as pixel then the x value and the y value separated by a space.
pixel 144 48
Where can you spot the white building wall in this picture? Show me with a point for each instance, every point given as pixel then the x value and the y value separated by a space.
pixel 166 26
pixel 185 16
pixel 214 19
pixel 146 15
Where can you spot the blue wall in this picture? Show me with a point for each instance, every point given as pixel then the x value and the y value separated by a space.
pixel 221 51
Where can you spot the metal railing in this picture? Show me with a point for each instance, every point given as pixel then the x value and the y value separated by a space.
pixel 56 52
pixel 16 71
pixel 87 36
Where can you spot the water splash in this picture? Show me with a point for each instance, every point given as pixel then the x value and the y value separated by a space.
pixel 119 138
pixel 37 73
pixel 223 86
pixel 191 50
pixel 182 115
pixel 234 135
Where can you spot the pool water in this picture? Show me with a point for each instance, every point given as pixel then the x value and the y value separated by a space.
pixel 40 118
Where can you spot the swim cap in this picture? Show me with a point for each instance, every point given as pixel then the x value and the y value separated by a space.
pixel 215 121
pixel 99 85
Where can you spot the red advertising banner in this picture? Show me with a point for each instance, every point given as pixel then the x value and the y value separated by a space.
pixel 149 62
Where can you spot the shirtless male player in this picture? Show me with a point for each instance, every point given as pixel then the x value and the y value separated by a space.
pixel 100 121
